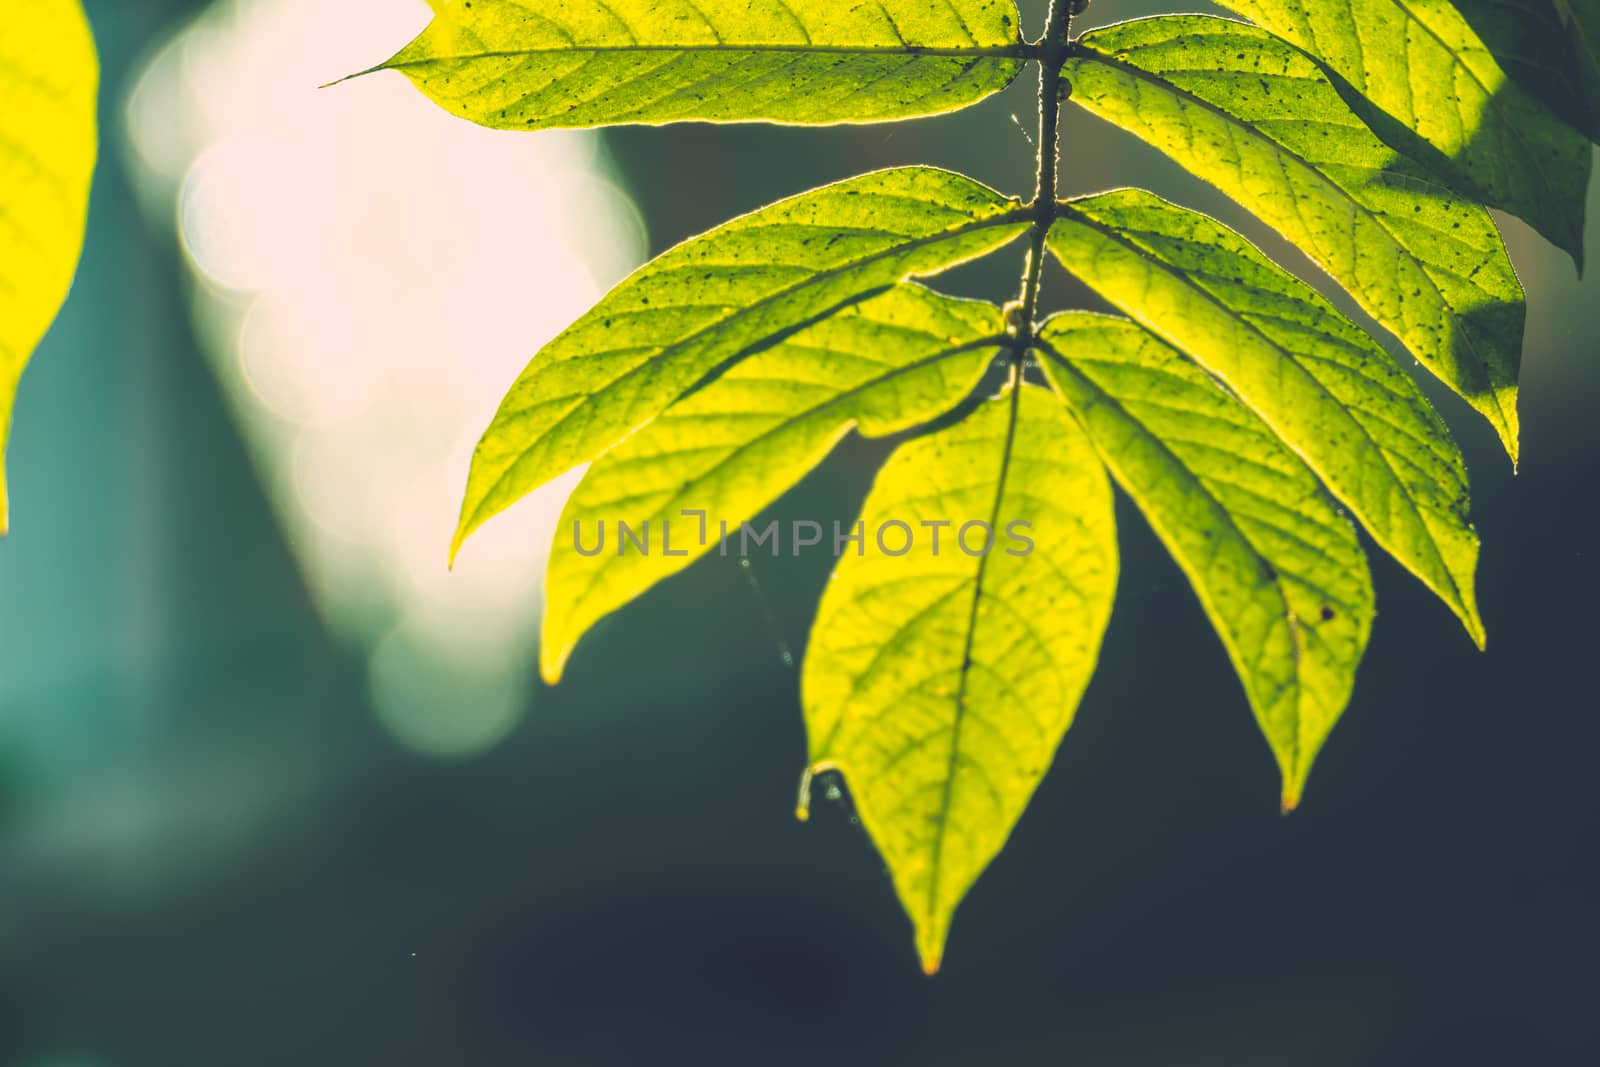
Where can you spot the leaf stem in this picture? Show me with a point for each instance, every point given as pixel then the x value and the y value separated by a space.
pixel 1052 50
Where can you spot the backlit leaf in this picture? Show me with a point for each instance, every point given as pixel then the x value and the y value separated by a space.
pixel 1277 568
pixel 1323 386
pixel 48 79
pixel 1420 65
pixel 720 297
pixel 1259 120
pixel 728 450
pixel 517 64
pixel 940 683
pixel 1237 407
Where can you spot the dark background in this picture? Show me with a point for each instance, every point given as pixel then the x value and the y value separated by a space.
pixel 211 854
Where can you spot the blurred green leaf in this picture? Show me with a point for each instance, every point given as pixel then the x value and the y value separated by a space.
pixel 1258 119
pixel 1277 568
pixel 1420 66
pixel 940 682
pixel 1549 47
pixel 1323 386
pixel 49 75
pixel 571 63
pixel 728 450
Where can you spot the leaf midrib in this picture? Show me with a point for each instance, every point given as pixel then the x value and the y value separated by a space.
pixel 947 791
pixel 1018 52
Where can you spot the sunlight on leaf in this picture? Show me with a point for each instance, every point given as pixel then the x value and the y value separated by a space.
pixel 1237 407
pixel 49 75
pixel 1423 68
pixel 1257 118
pixel 730 449
pixel 720 297
pixel 513 65
pixel 1277 568
pixel 940 682
pixel 1323 386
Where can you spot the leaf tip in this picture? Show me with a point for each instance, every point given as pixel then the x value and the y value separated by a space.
pixel 551 669
pixel 358 74
pixel 458 539
pixel 1508 426
pixel 554 651
pixel 802 804
pixel 1473 621
pixel 1294 785
pixel 347 77
pixel 1513 445
pixel 930 945
pixel 1467 611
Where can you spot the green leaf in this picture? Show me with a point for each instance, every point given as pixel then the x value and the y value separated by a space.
pixel 940 683
pixel 718 298
pixel 1259 120
pixel 1323 386
pixel 730 449
pixel 1237 407
pixel 1549 47
pixel 49 76
pixel 1423 70
pixel 1277 568
pixel 566 63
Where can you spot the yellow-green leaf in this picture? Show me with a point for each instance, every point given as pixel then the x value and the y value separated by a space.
pixel 49 75
pixel 1278 569
pixel 1258 119
pixel 940 683
pixel 514 64
pixel 1323 386
pixel 717 298
pixel 717 457
pixel 1430 79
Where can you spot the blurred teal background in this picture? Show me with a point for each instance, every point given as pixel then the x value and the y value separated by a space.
pixel 214 851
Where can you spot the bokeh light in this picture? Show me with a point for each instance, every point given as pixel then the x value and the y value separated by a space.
pixel 370 274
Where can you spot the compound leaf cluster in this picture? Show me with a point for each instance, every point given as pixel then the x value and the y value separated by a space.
pixel 1244 415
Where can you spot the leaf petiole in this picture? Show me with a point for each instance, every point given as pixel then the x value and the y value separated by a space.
pixel 1051 52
